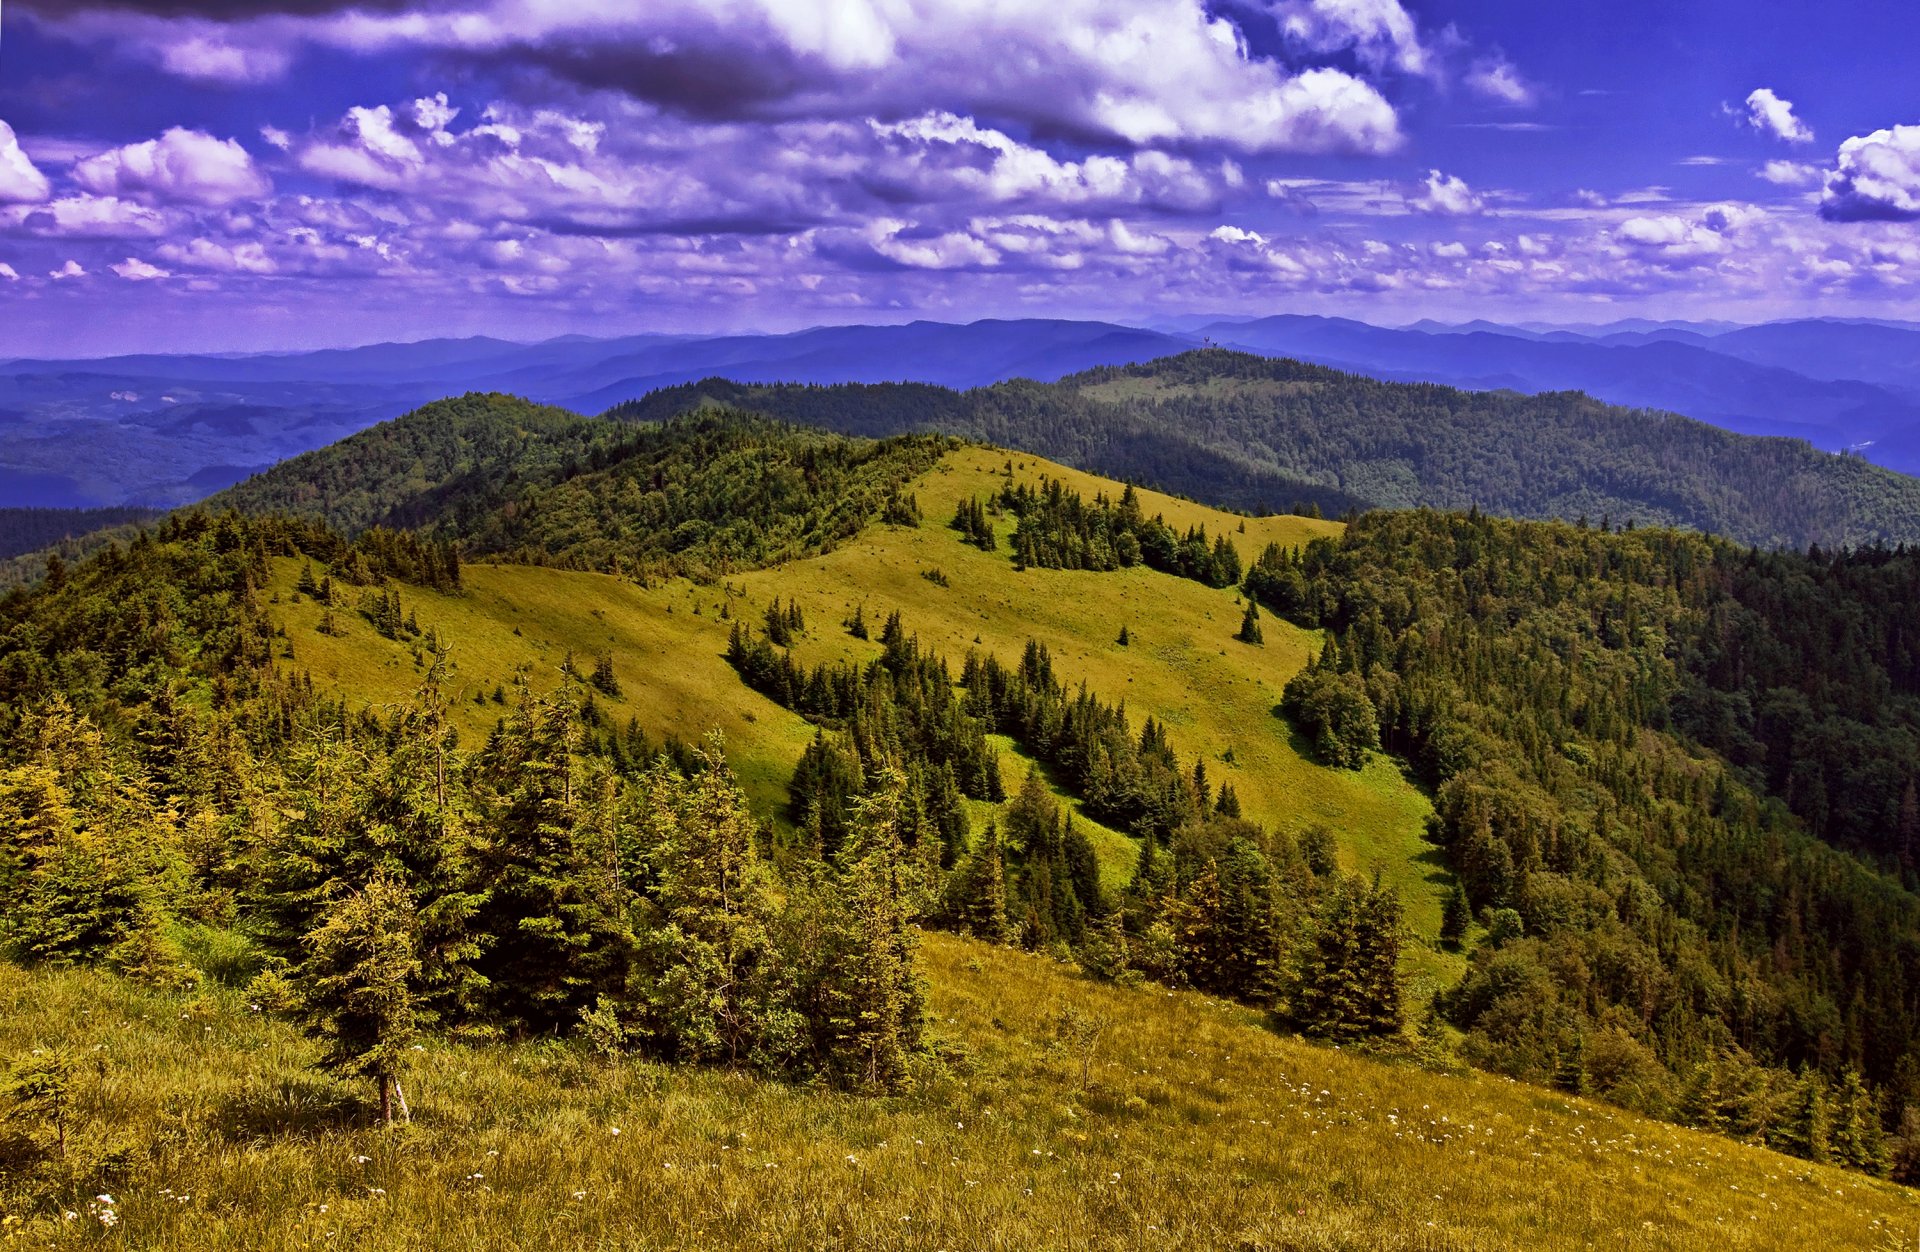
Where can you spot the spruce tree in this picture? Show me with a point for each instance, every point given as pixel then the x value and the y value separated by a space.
pixel 875 1009
pixel 1250 631
pixel 354 989
pixel 1455 916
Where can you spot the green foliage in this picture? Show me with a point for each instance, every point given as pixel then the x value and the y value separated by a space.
pixel 1262 434
pixel 1332 709
pixel 355 985
pixel 1349 982
pixel 1249 631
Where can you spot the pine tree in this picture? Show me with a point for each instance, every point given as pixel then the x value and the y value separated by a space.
pixel 977 893
pixel 1455 916
pixel 874 1005
pixel 1570 1072
pixel 1250 631
pixel 354 988
pixel 1857 1138
pixel 604 679
pixel 715 978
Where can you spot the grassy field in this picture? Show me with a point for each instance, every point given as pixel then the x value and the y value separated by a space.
pixel 1186 1125
pixel 1215 695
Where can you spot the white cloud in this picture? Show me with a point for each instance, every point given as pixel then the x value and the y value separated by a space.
pixel 9 273
pixel 1145 72
pixel 276 138
pixel 205 254
pixel 133 269
pixel 20 181
pixel 1445 195
pixel 208 57
pixel 893 240
pixel 1876 178
pixel 72 269
pixel 1380 33
pixel 181 166
pixel 87 217
pixel 1789 173
pixel 1770 115
pixel 1496 79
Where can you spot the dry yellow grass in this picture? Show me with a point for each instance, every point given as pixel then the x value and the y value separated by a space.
pixel 1196 1128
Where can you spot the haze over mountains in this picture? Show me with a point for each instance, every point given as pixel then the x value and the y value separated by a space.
pixel 171 429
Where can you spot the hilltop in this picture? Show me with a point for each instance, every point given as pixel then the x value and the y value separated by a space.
pixel 1253 433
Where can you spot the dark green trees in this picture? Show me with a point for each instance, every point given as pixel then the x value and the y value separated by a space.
pixel 354 989
pixel 1349 963
pixel 971 520
pixel 1250 631
pixel 1333 711
pixel 713 979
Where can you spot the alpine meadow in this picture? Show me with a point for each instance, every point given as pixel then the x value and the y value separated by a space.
pixel 1252 625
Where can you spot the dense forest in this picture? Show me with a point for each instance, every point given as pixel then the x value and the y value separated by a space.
pixel 29 530
pixel 1267 435
pixel 1673 779
pixel 508 480
pixel 1660 925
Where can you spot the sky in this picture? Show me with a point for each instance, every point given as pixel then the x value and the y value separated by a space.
pixel 213 175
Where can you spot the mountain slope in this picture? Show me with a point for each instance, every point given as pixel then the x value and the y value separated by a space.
pixel 1193 1128
pixel 1253 433
pixel 1836 385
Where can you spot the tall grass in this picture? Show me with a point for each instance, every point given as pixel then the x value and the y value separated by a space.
pixel 1195 1127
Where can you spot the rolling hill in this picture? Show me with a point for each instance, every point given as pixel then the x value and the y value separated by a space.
pixel 1253 433
pixel 168 430
pixel 1585 896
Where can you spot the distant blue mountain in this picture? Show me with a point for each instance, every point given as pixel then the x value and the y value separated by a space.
pixel 161 429
pixel 1741 379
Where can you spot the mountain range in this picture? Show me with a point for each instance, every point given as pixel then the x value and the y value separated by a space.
pixel 165 430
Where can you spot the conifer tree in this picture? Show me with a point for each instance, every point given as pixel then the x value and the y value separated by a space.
pixel 354 989
pixel 716 983
pixel 875 1010
pixel 1455 916
pixel 1250 631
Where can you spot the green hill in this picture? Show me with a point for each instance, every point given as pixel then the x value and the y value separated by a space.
pixel 1259 434
pixel 465 660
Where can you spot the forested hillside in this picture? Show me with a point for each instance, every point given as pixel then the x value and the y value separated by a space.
pixel 1662 926
pixel 380 753
pixel 700 494
pixel 1260 434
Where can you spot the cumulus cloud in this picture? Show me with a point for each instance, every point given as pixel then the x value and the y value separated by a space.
pixel 1445 195
pixel 1379 32
pixel 72 269
pixel 87 217
pixel 1770 115
pixel 1876 178
pixel 213 257
pixel 1141 72
pixel 942 155
pixel 9 273
pixel 20 181
pixel 181 166
pixel 134 270
pixel 1789 173
pixel 1686 241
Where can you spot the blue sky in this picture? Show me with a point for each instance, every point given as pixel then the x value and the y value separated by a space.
pixel 218 174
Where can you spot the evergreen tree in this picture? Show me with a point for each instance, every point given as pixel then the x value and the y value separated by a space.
pixel 1455 916
pixel 873 1007
pixel 354 988
pixel 715 986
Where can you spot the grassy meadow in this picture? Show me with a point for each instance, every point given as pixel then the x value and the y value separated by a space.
pixel 1182 1123
pixel 1215 695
